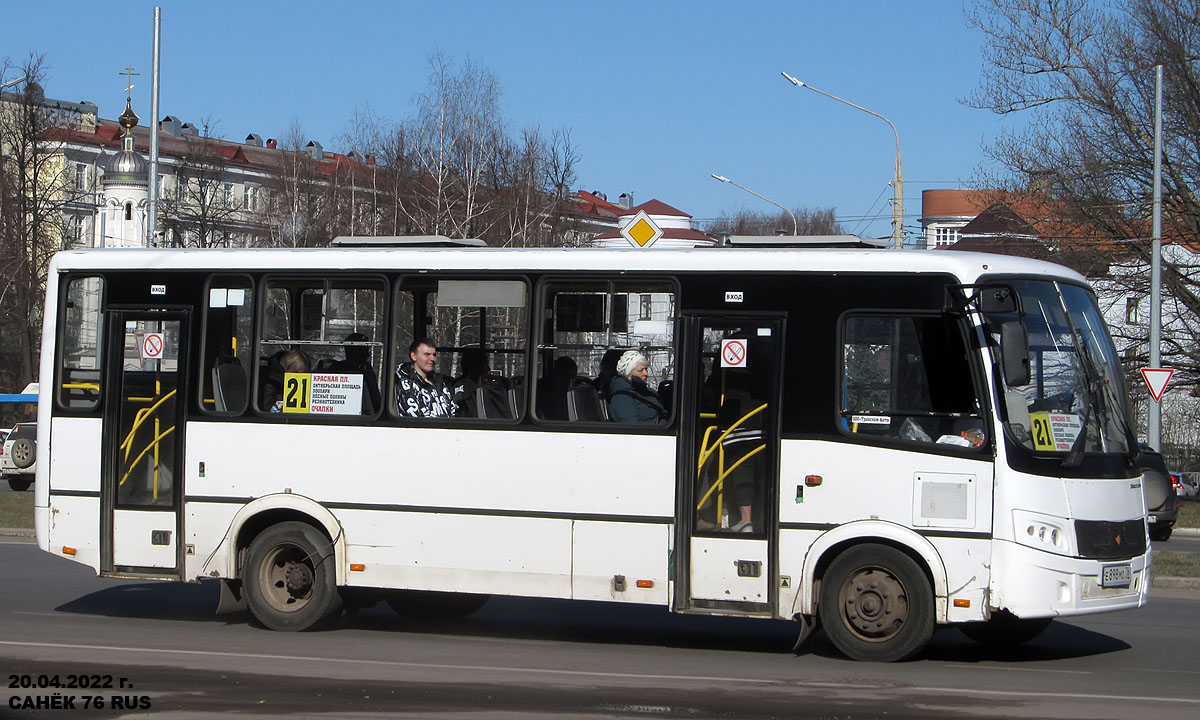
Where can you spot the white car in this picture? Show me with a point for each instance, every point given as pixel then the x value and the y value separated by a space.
pixel 18 457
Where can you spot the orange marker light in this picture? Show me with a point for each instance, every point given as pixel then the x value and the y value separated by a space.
pixel 813 480
pixel 645 583
pixel 962 602
pixel 357 567
pixel 68 550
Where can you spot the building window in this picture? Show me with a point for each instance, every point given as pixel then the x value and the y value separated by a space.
pixel 1131 311
pixel 228 194
pixel 646 307
pixel 80 176
pixel 247 197
pixel 946 236
pixel 128 211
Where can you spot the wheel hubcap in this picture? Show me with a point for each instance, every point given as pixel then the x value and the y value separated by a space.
pixel 287 578
pixel 874 603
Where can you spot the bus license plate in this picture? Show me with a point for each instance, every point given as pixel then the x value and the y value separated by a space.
pixel 1115 576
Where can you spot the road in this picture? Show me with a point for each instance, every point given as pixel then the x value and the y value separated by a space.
pixel 538 658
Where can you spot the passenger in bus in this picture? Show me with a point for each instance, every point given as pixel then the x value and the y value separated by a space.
pixel 421 391
pixel 358 362
pixel 292 361
pixel 473 367
pixel 630 399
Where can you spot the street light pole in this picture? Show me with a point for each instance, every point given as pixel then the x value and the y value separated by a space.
pixel 11 83
pixel 1154 409
pixel 898 180
pixel 795 225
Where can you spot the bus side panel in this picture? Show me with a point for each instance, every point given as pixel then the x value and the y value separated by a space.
pixel 74 466
pixel 858 482
pixel 204 526
pixel 460 553
pixel 637 552
pixel 75 523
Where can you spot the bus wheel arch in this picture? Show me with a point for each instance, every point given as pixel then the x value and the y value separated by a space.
pixel 828 546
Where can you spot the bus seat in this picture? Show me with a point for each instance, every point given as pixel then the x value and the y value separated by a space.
pixel 584 404
pixel 229 387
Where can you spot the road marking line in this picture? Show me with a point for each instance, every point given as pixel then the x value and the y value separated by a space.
pixel 592 673
pixel 1013 669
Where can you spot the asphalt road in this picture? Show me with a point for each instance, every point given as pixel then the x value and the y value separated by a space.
pixel 537 658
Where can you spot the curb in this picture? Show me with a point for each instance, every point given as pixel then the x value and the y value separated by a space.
pixel 16 532
pixel 1187 531
pixel 1179 583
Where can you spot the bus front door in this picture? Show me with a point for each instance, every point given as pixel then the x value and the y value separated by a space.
pixel 142 466
pixel 728 465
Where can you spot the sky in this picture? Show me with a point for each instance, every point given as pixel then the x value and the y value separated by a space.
pixel 657 96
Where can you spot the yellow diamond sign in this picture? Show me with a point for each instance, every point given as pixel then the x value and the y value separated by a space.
pixel 641 231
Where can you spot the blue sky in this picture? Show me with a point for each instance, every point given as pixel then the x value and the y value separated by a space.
pixel 657 95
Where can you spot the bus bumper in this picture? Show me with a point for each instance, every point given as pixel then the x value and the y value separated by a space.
pixel 1030 583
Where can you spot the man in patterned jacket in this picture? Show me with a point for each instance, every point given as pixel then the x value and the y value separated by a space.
pixel 421 391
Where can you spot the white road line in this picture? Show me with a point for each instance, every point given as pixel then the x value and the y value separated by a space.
pixel 1013 669
pixel 591 673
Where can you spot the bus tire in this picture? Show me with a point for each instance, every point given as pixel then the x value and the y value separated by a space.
pixel 289 578
pixel 433 605
pixel 1005 630
pixel 19 483
pixel 876 604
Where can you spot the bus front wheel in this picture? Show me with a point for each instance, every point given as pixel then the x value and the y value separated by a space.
pixel 289 577
pixel 876 604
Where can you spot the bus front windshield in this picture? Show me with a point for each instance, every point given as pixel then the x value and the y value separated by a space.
pixel 1075 402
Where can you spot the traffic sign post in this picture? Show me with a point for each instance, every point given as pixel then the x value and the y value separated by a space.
pixel 1157 379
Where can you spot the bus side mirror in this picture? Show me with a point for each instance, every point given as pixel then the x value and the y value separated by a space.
pixel 1014 354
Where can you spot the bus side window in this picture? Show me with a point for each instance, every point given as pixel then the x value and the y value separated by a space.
pixel 81 344
pixel 479 329
pixel 586 327
pixel 227 342
pixel 906 378
pixel 336 323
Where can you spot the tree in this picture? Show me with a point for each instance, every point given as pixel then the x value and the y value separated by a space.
pixel 746 222
pixel 201 210
pixel 1081 71
pixel 35 189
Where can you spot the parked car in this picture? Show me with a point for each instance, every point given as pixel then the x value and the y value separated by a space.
pixel 17 463
pixel 1162 503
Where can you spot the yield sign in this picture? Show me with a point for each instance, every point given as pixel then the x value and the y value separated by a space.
pixel 1157 379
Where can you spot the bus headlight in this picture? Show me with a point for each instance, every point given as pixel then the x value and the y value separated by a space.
pixel 1043 532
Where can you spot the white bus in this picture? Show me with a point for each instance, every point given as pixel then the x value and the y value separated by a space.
pixel 875 442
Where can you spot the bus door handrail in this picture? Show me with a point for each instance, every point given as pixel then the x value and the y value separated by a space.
pixel 706 452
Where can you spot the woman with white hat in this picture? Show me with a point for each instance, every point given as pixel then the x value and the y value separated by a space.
pixel 630 399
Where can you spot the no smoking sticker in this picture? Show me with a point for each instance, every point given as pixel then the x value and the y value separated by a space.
pixel 733 353
pixel 152 346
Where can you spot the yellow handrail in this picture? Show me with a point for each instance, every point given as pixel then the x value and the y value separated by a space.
pixel 153 444
pixel 706 452
pixel 141 416
pixel 721 480
pixel 81 386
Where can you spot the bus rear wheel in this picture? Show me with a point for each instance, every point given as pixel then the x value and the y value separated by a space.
pixel 433 605
pixel 289 578
pixel 876 604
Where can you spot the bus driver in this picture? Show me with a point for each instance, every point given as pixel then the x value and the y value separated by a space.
pixel 421 391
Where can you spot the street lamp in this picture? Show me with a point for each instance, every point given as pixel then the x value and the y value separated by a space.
pixel 10 83
pixel 898 183
pixel 795 225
